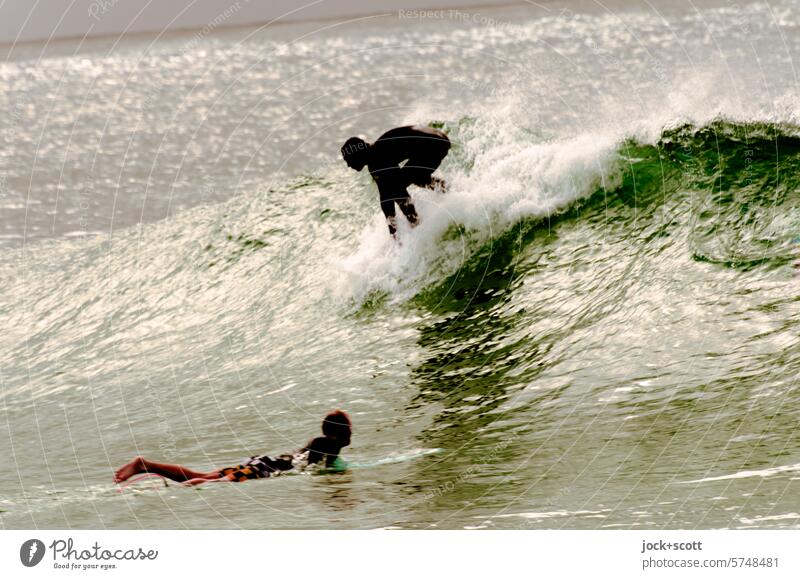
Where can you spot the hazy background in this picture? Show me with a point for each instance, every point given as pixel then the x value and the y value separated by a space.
pixel 23 20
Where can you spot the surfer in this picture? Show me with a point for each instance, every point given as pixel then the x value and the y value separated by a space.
pixel 422 149
pixel 336 431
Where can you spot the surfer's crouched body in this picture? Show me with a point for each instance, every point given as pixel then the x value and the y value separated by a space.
pixel 422 149
pixel 336 430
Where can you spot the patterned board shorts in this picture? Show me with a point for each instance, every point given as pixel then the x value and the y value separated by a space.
pixel 240 473
pixel 256 467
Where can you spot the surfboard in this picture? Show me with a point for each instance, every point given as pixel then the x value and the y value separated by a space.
pixel 339 465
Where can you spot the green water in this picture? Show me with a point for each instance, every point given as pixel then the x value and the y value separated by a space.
pixel 587 369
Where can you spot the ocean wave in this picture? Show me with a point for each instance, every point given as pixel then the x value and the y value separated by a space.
pixel 741 178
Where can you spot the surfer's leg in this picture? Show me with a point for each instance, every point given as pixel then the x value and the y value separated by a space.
pixel 387 206
pixel 407 207
pixel 174 472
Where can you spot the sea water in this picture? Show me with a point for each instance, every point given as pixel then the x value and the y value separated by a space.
pixel 597 324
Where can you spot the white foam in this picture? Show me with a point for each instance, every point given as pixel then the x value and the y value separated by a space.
pixel 550 514
pixel 784 517
pixel 763 473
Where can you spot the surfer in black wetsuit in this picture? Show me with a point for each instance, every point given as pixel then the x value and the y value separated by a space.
pixel 422 149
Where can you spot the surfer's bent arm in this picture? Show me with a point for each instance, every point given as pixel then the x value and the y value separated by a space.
pixel 322 449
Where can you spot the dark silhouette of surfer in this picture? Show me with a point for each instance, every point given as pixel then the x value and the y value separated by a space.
pixel 399 158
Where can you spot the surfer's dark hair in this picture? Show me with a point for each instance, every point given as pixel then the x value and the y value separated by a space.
pixel 354 149
pixel 337 425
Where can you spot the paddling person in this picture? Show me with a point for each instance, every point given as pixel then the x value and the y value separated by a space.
pixel 422 149
pixel 336 431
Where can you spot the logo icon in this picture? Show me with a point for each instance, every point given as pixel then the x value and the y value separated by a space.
pixel 31 553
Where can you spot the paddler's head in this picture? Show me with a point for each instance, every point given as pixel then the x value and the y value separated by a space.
pixel 337 426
